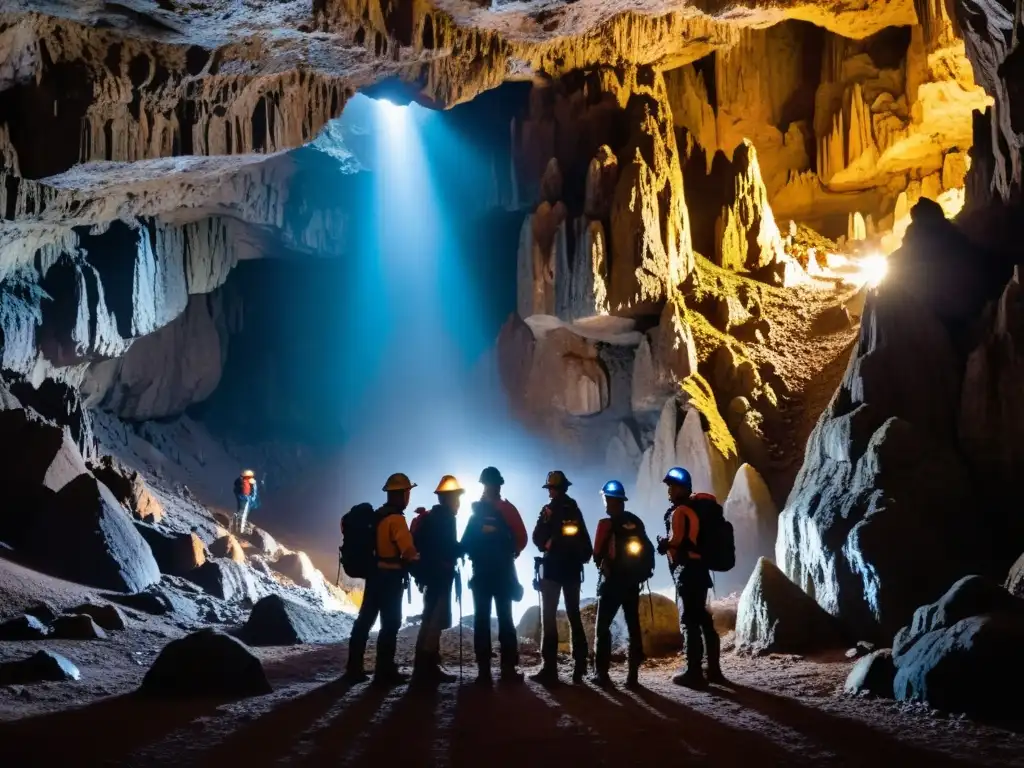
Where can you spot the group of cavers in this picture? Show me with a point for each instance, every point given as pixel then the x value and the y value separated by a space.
pixel 379 546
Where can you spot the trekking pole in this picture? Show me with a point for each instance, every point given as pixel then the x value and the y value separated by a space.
pixel 650 601
pixel 337 581
pixel 458 599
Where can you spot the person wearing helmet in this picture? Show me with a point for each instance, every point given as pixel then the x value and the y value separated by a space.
pixel 382 596
pixel 624 556
pixel 561 535
pixel 494 537
pixel 246 500
pixel 437 541
pixel 693 580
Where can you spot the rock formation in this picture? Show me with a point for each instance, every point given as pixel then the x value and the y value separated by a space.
pixel 775 616
pixel 206 663
pixel 960 649
pixel 754 517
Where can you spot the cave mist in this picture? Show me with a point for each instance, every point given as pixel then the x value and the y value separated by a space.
pixel 419 310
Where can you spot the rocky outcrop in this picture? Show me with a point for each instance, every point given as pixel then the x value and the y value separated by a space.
pixel 129 488
pixel 867 477
pixel 163 373
pixel 991 424
pixel 754 517
pixel 775 616
pixel 696 438
pixel 961 651
pixel 177 554
pixel 206 663
pixel 227 580
pixel 1015 579
pixel 665 357
pixel 229 548
pixel 276 620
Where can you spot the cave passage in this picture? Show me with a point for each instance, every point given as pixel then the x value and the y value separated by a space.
pixel 417 383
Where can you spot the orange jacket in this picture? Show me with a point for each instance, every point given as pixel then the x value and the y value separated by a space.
pixel 394 542
pixel 685 530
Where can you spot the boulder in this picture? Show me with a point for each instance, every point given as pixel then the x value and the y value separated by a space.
pixel 659 627
pixel 754 517
pixel 97 543
pixel 228 547
pixel 25 627
pixel 263 543
pixel 175 553
pixel 974 666
pixel 1015 578
pixel 227 580
pixel 43 611
pixel 129 488
pixel 75 626
pixel 775 616
pixel 42 666
pixel 868 479
pixel 108 617
pixel 872 674
pixel 206 663
pixel 969 596
pixel 276 620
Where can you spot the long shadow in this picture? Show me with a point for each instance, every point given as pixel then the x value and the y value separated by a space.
pixel 629 727
pixel 338 737
pixel 843 735
pixel 406 734
pixel 513 725
pixel 272 735
pixel 104 732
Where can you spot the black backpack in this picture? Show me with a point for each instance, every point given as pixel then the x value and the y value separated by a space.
pixel 359 541
pixel 634 552
pixel 490 539
pixel 569 538
pixel 716 542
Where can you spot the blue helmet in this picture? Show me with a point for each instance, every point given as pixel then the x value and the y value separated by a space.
pixel 678 476
pixel 613 490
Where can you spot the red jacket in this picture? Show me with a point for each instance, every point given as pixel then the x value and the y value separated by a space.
pixel 515 523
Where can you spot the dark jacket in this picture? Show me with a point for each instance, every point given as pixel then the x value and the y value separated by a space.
pixel 437 542
pixel 491 541
pixel 563 561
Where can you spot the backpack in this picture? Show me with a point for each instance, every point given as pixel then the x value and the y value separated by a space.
pixel 574 545
pixel 359 541
pixel 490 539
pixel 716 541
pixel 634 552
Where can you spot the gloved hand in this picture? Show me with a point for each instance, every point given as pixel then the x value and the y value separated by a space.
pixel 662 545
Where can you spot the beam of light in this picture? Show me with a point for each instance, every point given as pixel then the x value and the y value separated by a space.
pixel 873 269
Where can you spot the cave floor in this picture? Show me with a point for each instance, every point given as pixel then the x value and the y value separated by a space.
pixel 779 711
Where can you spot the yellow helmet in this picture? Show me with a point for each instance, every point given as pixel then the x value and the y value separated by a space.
pixel 449 484
pixel 398 482
pixel 557 479
pixel 248 473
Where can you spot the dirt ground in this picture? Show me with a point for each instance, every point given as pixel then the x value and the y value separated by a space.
pixel 779 711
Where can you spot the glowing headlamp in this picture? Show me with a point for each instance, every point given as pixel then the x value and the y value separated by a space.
pixel 570 529
pixel 634 547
